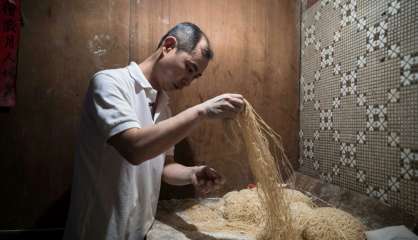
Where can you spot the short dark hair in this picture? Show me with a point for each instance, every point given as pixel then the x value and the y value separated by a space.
pixel 188 35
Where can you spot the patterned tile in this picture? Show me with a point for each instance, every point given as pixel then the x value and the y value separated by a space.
pixel 309 35
pixel 348 118
pixel 337 36
pixel 393 139
pixel 325 119
pixel 325 177
pixel 327 56
pixel 336 135
pixel 336 102
pixel 308 92
pixel 337 69
pixel 378 193
pixel 361 24
pixel 315 164
pixel 316 135
pixel 308 147
pixel 376 118
pixel 360 58
pixel 377 36
pixel 360 176
pixel 393 183
pixel 361 61
pixel 409 69
pixel 393 95
pixel 394 7
pixel 394 51
pixel 336 169
pixel 348 13
pixel 328 33
pixel 409 164
pixel 348 83
pixel 361 99
pixel 348 154
pixel 361 137
pixel 317 75
pixel 317 105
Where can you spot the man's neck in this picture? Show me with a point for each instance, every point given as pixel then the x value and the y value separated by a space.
pixel 148 69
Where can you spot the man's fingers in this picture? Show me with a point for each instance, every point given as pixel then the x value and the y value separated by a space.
pixel 212 173
pixel 208 179
pixel 236 95
pixel 208 185
pixel 237 103
pixel 220 181
pixel 227 106
pixel 224 106
pixel 201 182
pixel 214 176
pixel 203 191
pixel 194 180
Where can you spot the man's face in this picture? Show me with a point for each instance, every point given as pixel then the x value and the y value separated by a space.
pixel 177 69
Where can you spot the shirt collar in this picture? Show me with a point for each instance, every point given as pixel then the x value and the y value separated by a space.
pixel 137 74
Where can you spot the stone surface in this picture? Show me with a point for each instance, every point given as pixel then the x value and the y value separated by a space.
pixel 373 213
pixel 161 231
pixel 172 222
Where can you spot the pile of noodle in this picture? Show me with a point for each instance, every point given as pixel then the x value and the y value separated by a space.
pixel 271 211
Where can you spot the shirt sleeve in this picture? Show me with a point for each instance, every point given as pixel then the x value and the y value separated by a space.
pixel 112 109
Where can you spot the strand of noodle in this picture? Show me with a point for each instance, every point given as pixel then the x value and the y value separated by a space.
pixel 268 164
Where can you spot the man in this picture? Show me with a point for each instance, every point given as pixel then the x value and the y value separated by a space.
pixel 127 138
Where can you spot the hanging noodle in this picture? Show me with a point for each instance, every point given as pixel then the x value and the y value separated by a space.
pixel 274 212
pixel 270 167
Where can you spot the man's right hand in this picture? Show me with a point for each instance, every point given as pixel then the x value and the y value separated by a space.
pixel 223 106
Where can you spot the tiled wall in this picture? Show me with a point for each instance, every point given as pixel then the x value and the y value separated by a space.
pixel 359 97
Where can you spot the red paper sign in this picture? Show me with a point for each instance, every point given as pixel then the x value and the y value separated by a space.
pixel 9 39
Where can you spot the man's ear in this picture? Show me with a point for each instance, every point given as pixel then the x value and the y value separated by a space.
pixel 169 43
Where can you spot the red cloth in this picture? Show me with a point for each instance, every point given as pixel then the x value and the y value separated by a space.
pixel 9 39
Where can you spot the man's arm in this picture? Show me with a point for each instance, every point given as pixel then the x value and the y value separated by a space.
pixel 203 178
pixel 177 174
pixel 137 145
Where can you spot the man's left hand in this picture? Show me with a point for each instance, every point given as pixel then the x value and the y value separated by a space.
pixel 206 179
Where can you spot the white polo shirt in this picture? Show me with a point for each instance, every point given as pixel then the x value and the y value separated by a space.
pixel 111 198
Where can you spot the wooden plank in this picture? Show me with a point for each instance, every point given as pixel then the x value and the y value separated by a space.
pixel 63 43
pixel 256 45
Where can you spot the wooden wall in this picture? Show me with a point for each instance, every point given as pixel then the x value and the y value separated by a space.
pixel 256 45
pixel 63 43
